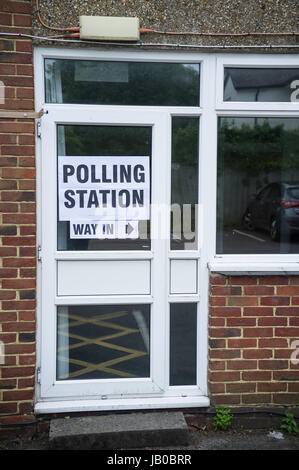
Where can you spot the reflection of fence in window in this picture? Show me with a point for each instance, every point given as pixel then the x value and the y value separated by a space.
pixel 2 93
pixel 2 353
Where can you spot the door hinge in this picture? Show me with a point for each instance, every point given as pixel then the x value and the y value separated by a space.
pixel 38 372
pixel 38 129
pixel 39 253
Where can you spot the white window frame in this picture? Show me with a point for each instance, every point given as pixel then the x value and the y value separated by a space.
pixel 174 396
pixel 211 107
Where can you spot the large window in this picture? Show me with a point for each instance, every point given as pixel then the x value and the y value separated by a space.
pixel 258 185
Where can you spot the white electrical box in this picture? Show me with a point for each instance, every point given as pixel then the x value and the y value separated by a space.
pixel 109 28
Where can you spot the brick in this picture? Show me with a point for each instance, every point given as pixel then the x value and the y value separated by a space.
pixel 285 398
pixel 257 353
pixel 27 315
pixel 8 184
pixel 27 294
pixel 7 161
pixel 24 46
pixel 17 262
pixel 287 311
pixel 18 196
pixel 240 387
pixel 18 305
pixel 273 364
pixel 7 138
pixel 256 398
pixel 20 348
pixel 217 365
pixel 288 332
pixel 246 301
pixel 18 283
pixel 27 359
pixel 8 384
pixel 225 312
pixel 217 301
pixel 217 321
pixel 225 354
pixel 17 58
pixel 217 343
pixel 227 399
pixel 257 332
pixel 216 279
pixel 6 295
pixel 271 387
pixel 257 375
pixel 241 322
pixel 7 69
pixel 214 388
pixel 8 251
pixel 22 20
pixel 8 316
pixel 8 408
pixel 28 272
pixel 283 353
pixel 258 311
pixel 272 321
pixel 20 150
pixel 17 371
pixel 19 241
pixel 258 290
pixel 241 364
pixel 226 290
pixel 273 280
pixel 27 337
pixel 26 383
pixel 224 332
pixel 232 376
pixel 293 387
pixel 13 395
pixel 19 218
pixel 17 127
pixel 15 7
pixel 242 343
pixel 286 375
pixel 28 230
pixel 18 173
pixel 18 326
pixel 242 280
pixel 5 19
pixel 275 300
pixel 8 230
pixel 287 290
pixel 6 272
pixel 273 343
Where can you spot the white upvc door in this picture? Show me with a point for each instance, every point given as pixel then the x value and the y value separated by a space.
pixel 91 279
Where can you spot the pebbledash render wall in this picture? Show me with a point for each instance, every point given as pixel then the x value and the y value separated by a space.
pixel 253 320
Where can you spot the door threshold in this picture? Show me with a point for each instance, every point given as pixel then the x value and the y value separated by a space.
pixel 69 406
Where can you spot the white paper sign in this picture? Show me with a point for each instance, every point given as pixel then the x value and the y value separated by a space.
pixel 104 188
pixel 110 229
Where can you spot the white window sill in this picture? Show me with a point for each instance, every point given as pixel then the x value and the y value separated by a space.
pixel 253 268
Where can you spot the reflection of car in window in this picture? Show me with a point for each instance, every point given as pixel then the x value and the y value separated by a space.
pixel 275 208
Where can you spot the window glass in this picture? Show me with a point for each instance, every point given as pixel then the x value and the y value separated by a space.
pixel 103 342
pixel 183 325
pixel 184 183
pixel 260 84
pixel 104 187
pixel 121 83
pixel 258 185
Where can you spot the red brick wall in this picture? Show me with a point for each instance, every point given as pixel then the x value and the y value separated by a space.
pixel 17 207
pixel 253 322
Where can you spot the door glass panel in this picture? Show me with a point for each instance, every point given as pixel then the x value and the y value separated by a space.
pixel 260 84
pixel 121 83
pixel 183 325
pixel 184 183
pixel 104 187
pixel 103 341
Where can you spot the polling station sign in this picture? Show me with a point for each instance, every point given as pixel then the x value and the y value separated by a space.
pixel 101 188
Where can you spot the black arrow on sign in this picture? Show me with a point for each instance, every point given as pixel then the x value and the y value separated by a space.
pixel 129 228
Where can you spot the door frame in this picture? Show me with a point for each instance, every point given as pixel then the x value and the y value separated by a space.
pixel 173 396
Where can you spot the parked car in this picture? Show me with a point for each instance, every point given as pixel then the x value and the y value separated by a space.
pixel 276 209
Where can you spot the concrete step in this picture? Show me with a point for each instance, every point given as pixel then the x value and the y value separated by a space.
pixel 119 431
